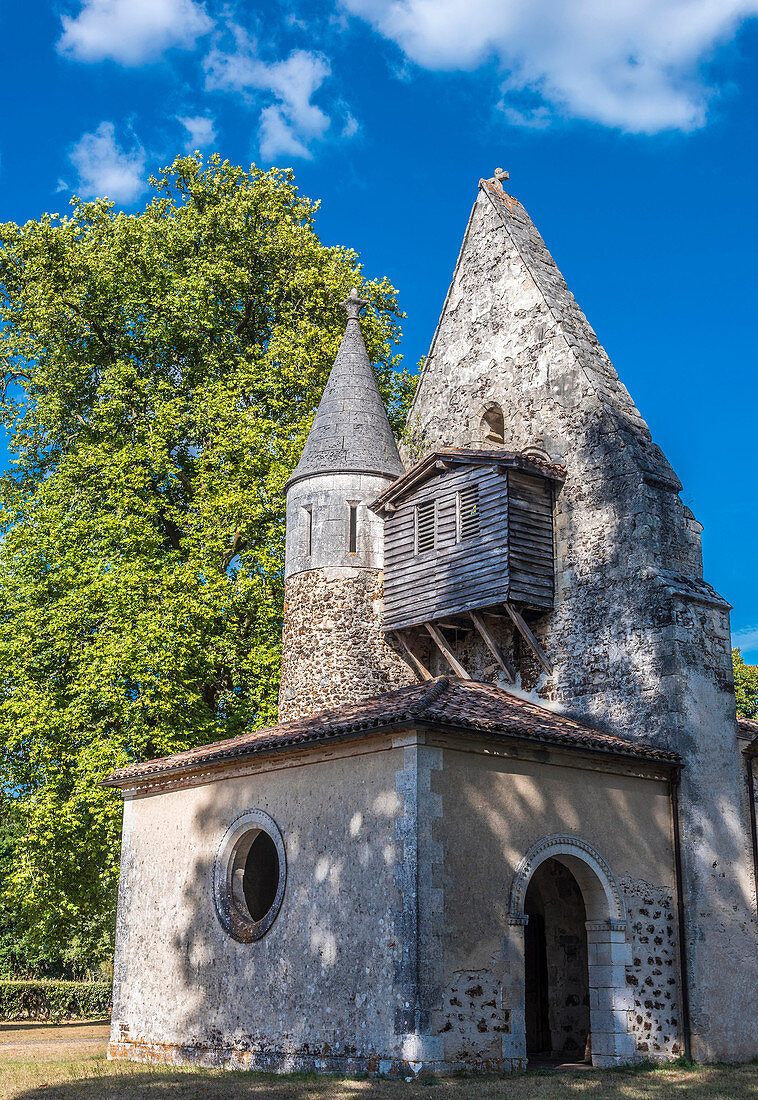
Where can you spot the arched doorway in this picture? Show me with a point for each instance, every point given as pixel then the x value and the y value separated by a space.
pixel 572 865
pixel 557 991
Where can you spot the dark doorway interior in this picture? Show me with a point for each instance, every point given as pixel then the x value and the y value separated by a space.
pixel 557 978
pixel 537 1006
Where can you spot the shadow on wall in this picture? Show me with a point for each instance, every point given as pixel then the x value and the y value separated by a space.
pixel 341 902
pixel 301 989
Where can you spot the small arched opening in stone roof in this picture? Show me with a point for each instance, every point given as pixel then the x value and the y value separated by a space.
pixel 537 452
pixel 493 425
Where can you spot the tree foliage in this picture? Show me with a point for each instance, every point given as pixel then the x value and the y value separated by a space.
pixel 159 375
pixel 745 686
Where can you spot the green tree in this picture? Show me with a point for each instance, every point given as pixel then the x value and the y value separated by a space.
pixel 745 686
pixel 160 372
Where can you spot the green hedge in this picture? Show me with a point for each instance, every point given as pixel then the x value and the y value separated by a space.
pixel 53 1000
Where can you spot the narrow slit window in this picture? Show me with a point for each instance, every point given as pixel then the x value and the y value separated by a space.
pixel 426 526
pixel 308 520
pixel 468 512
pixel 352 529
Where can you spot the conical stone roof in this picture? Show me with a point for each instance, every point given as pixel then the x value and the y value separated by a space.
pixel 351 432
pixel 507 317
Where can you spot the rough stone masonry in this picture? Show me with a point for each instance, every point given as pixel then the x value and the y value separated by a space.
pixel 333 648
pixel 638 641
pixel 428 841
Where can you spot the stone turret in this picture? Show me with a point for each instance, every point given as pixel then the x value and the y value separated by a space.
pixel 333 648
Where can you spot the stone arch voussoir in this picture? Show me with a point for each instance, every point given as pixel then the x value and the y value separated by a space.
pixel 602 897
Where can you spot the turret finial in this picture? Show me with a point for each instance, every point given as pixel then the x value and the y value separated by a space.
pixel 353 305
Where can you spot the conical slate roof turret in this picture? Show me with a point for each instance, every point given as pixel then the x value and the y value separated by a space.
pixel 351 431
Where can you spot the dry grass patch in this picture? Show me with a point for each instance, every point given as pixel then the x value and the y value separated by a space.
pixel 67 1062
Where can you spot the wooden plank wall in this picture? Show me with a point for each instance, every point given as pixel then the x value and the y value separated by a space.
pixel 530 540
pixel 510 559
pixel 455 576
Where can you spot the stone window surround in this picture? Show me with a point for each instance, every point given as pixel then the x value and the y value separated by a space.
pixel 609 954
pixel 232 920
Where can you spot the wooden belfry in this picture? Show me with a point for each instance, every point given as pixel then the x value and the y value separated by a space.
pixel 468 533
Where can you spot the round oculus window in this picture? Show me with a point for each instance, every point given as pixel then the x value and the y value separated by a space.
pixel 249 876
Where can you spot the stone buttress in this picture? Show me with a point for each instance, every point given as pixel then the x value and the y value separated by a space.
pixel 638 642
pixel 333 646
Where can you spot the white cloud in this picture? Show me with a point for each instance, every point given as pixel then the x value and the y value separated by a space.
pixel 201 131
pixel 105 168
pixel 292 122
pixel 132 31
pixel 631 64
pixel 277 137
pixel 536 117
pixel 351 127
pixel 746 638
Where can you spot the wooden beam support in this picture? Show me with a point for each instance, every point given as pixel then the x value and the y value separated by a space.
pixel 421 670
pixel 492 645
pixel 529 638
pixel 446 652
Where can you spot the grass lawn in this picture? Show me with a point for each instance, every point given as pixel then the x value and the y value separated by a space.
pixel 67 1061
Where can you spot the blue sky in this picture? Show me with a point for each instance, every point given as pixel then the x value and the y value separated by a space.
pixel 628 127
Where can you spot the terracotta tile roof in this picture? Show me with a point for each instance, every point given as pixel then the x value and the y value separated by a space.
pixel 460 704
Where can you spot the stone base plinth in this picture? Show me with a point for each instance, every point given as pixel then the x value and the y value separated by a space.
pixel 206 1056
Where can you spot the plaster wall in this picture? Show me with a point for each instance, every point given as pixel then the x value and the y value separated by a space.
pixel 321 988
pixel 639 643
pixel 493 809
pixel 328 497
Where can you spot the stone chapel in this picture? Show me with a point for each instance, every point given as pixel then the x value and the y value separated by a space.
pixel 508 814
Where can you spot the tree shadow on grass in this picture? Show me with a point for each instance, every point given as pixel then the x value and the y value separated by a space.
pixel 645 1082
pixel 136 1083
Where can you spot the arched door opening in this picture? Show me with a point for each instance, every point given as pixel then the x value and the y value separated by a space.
pixel 557 990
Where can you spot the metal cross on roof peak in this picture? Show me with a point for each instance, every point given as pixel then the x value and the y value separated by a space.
pixel 353 305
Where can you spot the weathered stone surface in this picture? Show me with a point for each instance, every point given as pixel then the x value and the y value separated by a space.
pixel 494 810
pixel 318 523
pixel 655 1019
pixel 638 641
pixel 333 647
pixel 393 950
pixel 334 651
pixel 319 990
pixel 351 432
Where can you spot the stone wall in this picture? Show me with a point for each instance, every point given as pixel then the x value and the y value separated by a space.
pixel 655 1019
pixel 628 559
pixel 333 651
pixel 638 641
pixel 495 804
pixel 322 989
pixel 317 523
